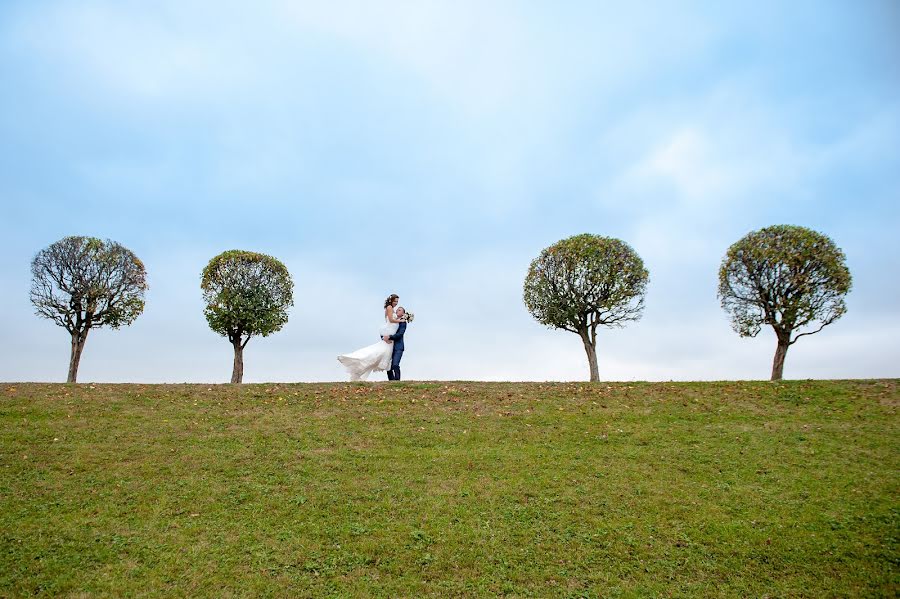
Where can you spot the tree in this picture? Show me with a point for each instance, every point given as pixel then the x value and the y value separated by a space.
pixel 584 282
pixel 246 294
pixel 787 277
pixel 84 283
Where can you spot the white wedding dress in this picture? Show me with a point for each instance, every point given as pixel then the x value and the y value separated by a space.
pixel 376 357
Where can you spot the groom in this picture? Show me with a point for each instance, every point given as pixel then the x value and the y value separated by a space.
pixel 397 338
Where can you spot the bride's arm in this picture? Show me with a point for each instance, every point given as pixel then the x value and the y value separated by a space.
pixel 389 314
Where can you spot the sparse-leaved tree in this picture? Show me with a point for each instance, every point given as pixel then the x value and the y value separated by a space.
pixel 84 283
pixel 787 277
pixel 584 282
pixel 247 295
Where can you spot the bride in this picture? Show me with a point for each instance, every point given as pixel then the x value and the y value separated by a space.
pixel 377 356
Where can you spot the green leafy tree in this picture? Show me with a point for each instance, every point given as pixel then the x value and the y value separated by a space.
pixel 246 294
pixel 786 277
pixel 84 283
pixel 584 282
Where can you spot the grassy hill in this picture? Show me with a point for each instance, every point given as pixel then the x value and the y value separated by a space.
pixel 451 489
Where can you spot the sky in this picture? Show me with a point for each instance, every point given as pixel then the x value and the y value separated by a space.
pixel 433 149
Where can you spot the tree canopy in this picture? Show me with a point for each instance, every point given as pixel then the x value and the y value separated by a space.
pixel 586 281
pixel 246 294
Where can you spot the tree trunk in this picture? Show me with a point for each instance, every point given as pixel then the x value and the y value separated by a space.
pixel 591 352
pixel 237 374
pixel 784 342
pixel 78 340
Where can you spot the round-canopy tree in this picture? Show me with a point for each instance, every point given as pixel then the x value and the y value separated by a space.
pixel 246 294
pixel 584 282
pixel 787 277
pixel 84 283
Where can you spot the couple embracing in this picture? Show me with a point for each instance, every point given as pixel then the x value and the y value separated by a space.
pixel 387 353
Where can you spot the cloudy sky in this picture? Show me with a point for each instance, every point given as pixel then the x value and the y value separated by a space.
pixel 432 149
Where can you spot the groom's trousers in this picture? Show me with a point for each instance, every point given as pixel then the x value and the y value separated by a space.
pixel 394 372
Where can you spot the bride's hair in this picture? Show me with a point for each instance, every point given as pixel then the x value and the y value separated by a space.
pixel 390 299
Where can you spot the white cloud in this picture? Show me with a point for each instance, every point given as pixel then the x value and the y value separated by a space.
pixel 134 53
pixel 186 52
pixel 700 169
pixel 458 49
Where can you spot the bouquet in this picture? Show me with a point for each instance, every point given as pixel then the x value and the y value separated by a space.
pixel 408 317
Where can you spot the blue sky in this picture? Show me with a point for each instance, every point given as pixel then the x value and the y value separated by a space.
pixel 433 149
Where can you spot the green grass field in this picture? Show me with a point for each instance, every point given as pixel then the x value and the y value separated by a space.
pixel 747 489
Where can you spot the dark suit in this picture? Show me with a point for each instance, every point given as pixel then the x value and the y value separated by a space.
pixel 397 338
